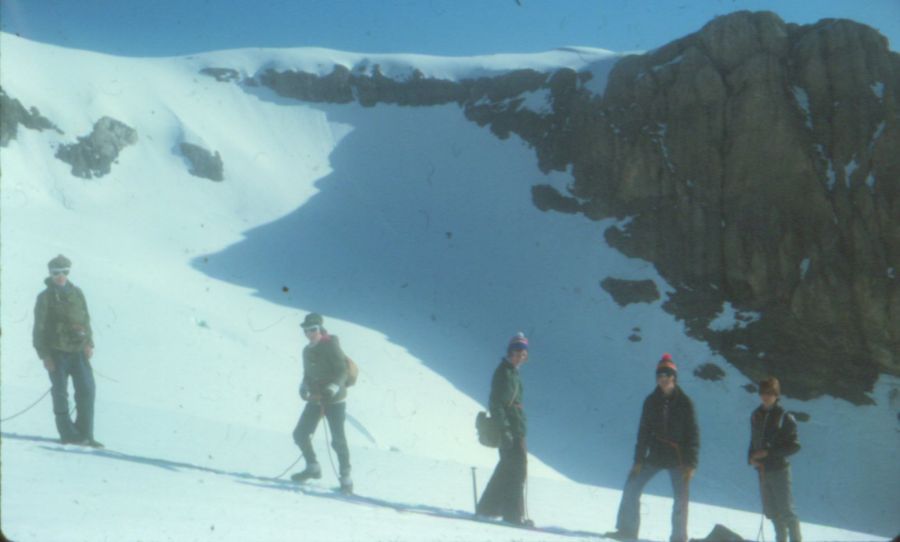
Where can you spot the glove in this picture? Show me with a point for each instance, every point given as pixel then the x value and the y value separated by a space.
pixel 304 391
pixel 331 391
pixel 687 473
pixel 506 440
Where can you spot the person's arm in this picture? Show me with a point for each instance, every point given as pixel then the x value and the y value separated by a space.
pixel 89 345
pixel 338 361
pixel 692 436
pixel 785 441
pixel 503 391
pixel 643 437
pixel 39 332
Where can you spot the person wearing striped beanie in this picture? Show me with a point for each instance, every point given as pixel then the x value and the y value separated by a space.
pixel 504 494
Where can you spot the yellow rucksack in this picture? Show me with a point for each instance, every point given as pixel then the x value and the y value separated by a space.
pixel 352 372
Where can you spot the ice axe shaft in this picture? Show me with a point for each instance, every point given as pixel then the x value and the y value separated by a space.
pixel 474 491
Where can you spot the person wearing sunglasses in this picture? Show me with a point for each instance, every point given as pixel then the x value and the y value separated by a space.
pixel 325 391
pixel 64 342
pixel 668 439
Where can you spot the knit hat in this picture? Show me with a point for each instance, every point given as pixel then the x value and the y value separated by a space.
pixel 518 342
pixel 59 262
pixel 770 385
pixel 312 319
pixel 666 365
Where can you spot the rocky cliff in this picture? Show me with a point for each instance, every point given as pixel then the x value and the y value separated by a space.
pixel 758 163
pixel 755 163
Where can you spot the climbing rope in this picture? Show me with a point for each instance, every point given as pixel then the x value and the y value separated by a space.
pixel 32 405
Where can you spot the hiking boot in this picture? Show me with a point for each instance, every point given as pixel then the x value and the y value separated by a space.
pixel 619 535
pixel 346 483
pixel 312 472
pixel 91 443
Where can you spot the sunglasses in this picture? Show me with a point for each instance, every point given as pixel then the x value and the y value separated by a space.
pixel 312 329
pixel 58 272
pixel 665 373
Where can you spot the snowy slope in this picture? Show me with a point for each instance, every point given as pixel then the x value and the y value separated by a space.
pixel 412 230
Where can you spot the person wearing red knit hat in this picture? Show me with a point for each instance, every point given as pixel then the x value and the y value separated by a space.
pixel 668 439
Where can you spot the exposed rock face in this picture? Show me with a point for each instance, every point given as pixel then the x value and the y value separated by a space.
pixel 94 154
pixel 625 292
pixel 709 371
pixel 13 114
pixel 760 163
pixel 203 163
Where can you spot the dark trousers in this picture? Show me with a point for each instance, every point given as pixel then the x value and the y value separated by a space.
pixel 629 519
pixel 778 503
pixel 76 365
pixel 505 493
pixel 335 414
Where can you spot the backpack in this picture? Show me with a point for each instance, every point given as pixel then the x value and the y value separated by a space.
pixel 488 430
pixel 352 372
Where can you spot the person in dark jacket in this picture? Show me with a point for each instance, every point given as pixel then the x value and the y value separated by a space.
pixel 64 341
pixel 324 389
pixel 668 439
pixel 773 437
pixel 505 493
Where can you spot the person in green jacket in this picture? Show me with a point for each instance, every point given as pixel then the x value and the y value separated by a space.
pixel 64 341
pixel 505 493
pixel 324 388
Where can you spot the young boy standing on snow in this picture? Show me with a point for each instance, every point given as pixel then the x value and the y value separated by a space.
pixel 505 493
pixel 325 391
pixel 773 437
pixel 64 342
pixel 668 438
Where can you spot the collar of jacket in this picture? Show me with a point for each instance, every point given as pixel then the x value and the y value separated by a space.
pixel 675 393
pixel 56 287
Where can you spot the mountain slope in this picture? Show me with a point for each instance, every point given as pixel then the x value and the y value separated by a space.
pixel 412 229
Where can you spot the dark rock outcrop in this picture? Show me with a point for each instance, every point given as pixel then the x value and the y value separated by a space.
pixel 709 371
pixel 625 292
pixel 759 163
pixel 13 114
pixel 202 162
pixel 94 154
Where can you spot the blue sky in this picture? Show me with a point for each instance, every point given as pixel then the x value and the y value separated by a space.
pixel 442 27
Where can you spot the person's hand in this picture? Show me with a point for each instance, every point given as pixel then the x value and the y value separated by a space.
pixel 304 391
pixel 48 364
pixel 687 473
pixel 506 440
pixel 331 391
pixel 635 470
pixel 759 454
pixel 88 352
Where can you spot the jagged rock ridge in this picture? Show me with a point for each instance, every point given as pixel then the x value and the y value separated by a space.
pixel 757 161
pixel 13 114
